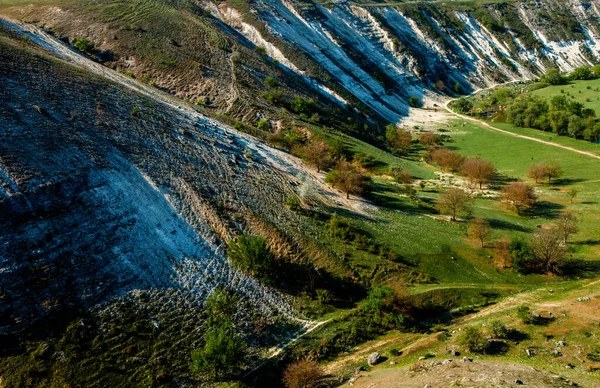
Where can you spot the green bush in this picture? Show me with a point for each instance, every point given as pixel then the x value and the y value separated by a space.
pixel 302 105
pixel 473 339
pixel 264 125
pixel 222 353
pixel 499 329
pixel 84 45
pixel 271 82
pixel 414 102
pixel 524 313
pixel 251 254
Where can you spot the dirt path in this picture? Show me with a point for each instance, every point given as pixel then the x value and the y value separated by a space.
pixel 486 125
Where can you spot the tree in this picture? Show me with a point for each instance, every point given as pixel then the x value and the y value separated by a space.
pixel 347 178
pixel 537 172
pixel 572 193
pixel 428 140
pixel 251 254
pixel 521 256
pixel 473 339
pixel 502 257
pixel 453 201
pixel 398 138
pixel 553 171
pixel 462 106
pixel 479 229
pixel 567 225
pixel 447 159
pixel 581 73
pixel 317 153
pixel 223 350
pixel 553 77
pixel 478 171
pixel 302 374
pixel 547 246
pixel 520 195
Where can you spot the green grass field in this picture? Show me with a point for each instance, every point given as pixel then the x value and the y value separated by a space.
pixel 585 92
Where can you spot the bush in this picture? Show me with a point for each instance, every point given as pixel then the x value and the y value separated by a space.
pixel 473 339
pixel 222 353
pixel 251 255
pixel 414 102
pixel 84 45
pixel 264 125
pixel 271 82
pixel 302 105
pixel 499 329
pixel 302 374
pixel 524 313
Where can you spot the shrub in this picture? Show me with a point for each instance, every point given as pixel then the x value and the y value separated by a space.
pixel 473 339
pixel 302 105
pixel 414 101
pixel 84 45
pixel 302 374
pixel 222 353
pixel 251 254
pixel 264 125
pixel 524 314
pixel 499 329
pixel 271 82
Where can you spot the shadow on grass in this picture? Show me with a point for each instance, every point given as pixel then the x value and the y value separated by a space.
pixel 517 335
pixel 505 225
pixel 581 268
pixel 587 242
pixel 544 209
pixel 567 181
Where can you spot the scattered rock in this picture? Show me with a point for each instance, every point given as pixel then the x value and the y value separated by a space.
pixel 392 362
pixel 467 359
pixel 422 358
pixel 518 382
pixel 561 343
pixel 374 358
pixel 358 370
pixel 454 353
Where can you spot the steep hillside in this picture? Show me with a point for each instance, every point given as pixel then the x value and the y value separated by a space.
pixel 372 56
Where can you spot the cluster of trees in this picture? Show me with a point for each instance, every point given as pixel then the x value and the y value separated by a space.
pixel 475 169
pixel 553 76
pixel 541 171
pixel 561 116
pixel 347 178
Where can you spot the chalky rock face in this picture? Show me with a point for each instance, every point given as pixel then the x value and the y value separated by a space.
pixel 383 55
pixel 104 191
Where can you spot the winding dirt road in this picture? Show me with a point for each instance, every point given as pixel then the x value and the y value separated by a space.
pixel 486 125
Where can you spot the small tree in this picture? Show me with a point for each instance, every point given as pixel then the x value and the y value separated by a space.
pixel 567 225
pixel 398 138
pixel 317 153
pixel 548 248
pixel 537 172
pixel 348 179
pixel 502 256
pixel 447 159
pixel 453 201
pixel 479 229
pixel 478 171
pixel 524 313
pixel 473 339
pixel 553 171
pixel 302 374
pixel 428 140
pixel 251 254
pixel 572 193
pixel 520 195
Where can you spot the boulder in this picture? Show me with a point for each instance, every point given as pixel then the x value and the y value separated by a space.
pixel 374 358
